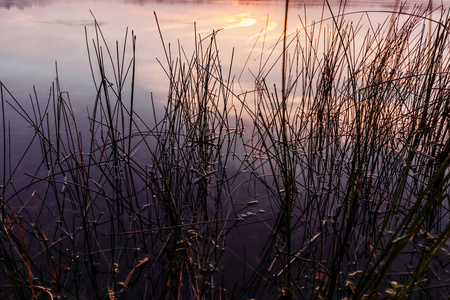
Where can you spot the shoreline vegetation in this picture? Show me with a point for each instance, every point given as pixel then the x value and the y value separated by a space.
pixel 22 4
pixel 333 185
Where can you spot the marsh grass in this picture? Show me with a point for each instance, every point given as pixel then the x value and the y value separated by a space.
pixel 367 118
pixel 347 164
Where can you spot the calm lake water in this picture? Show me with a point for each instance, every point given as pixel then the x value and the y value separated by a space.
pixel 35 34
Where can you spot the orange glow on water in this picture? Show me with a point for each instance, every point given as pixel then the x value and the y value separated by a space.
pixel 240 20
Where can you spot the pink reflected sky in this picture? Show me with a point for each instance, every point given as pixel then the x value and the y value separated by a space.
pixel 35 36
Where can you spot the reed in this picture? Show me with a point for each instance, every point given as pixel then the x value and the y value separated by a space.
pixel 356 144
pixel 333 186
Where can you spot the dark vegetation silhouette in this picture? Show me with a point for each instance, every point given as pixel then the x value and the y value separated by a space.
pixel 332 186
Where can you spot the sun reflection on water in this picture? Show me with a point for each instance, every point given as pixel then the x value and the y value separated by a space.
pixel 240 20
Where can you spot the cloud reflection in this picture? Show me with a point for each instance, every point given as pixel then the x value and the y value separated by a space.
pixel 82 23
pixel 22 4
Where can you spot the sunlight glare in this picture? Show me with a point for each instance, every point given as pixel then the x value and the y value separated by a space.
pixel 240 20
pixel 246 22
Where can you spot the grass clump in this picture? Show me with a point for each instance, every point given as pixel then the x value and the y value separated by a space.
pixel 333 186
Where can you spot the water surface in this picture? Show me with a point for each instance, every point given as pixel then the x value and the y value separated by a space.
pixel 35 34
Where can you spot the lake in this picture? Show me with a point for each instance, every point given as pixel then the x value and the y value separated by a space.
pixel 187 171
pixel 42 32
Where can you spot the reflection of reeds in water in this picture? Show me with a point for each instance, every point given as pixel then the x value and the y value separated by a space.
pixel 349 164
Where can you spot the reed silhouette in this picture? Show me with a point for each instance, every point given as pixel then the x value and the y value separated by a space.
pixel 333 186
